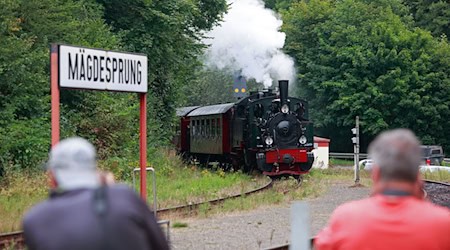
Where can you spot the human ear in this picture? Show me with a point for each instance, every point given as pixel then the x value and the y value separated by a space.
pixel 376 174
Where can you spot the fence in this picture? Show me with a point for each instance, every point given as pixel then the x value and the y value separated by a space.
pixel 346 155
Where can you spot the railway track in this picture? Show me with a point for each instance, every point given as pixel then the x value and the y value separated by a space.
pixel 15 240
pixel 12 240
pixel 436 192
pixel 189 207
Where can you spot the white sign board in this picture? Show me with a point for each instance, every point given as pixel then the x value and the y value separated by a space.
pixel 84 68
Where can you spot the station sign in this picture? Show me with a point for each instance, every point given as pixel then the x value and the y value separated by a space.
pixel 85 68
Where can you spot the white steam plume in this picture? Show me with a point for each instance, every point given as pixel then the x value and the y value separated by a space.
pixel 249 40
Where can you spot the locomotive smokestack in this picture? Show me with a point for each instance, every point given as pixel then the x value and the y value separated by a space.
pixel 283 85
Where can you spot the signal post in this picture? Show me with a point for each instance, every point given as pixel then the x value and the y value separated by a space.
pixel 355 141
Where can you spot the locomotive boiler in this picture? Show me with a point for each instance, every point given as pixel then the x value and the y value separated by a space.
pixel 265 130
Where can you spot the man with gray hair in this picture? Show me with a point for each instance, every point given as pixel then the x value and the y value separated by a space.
pixel 85 210
pixel 396 216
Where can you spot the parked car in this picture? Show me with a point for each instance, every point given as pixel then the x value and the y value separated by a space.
pixel 432 155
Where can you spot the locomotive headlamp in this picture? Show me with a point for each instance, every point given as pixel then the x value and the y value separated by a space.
pixel 269 140
pixel 302 139
pixel 285 109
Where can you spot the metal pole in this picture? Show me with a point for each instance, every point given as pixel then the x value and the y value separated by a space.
pixel 155 204
pixel 54 89
pixel 143 145
pixel 356 149
pixel 301 229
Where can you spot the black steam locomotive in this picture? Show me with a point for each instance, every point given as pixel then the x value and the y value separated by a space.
pixel 264 130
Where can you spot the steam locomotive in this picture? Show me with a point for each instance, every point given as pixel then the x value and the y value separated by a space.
pixel 267 130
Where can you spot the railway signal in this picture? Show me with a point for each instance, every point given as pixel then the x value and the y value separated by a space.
pixel 355 141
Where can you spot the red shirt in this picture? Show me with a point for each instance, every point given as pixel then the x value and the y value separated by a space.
pixel 387 222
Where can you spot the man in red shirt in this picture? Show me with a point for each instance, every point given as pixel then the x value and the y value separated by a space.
pixel 396 216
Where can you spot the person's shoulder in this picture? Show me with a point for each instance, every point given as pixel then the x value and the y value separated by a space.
pixel 36 212
pixel 121 189
pixel 435 212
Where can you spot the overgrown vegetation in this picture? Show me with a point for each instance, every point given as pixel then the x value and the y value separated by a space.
pixel 168 32
pixel 285 191
pixel 334 162
pixel 375 59
pixel 177 184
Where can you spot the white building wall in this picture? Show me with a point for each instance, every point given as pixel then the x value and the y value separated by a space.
pixel 321 157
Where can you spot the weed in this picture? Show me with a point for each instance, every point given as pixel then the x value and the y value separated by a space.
pixel 443 176
pixel 177 184
pixel 179 224
pixel 340 162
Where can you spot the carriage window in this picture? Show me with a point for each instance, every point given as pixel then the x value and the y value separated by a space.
pixel 193 128
pixel 203 127
pixel 213 127
pixel 208 129
pixel 219 128
pixel 197 125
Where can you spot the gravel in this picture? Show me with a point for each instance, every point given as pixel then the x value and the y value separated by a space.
pixel 260 228
pixel 438 194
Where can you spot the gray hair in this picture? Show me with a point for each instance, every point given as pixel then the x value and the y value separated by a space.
pixel 73 163
pixel 397 153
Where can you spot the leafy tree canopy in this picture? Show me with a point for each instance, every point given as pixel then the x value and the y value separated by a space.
pixel 357 57
pixel 433 15
pixel 169 32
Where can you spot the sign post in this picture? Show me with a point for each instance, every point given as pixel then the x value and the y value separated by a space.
pixel 355 141
pixel 143 144
pixel 54 93
pixel 84 68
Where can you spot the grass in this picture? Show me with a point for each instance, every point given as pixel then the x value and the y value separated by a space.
pixel 442 176
pixel 18 192
pixel 177 184
pixel 179 224
pixel 340 162
pixel 285 191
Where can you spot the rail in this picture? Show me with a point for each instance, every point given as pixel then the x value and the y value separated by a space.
pixel 16 238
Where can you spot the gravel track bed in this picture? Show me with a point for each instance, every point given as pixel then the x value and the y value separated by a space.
pixel 260 228
pixel 438 194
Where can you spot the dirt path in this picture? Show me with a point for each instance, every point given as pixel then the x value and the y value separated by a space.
pixel 259 228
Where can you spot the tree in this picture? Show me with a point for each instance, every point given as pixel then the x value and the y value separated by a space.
pixel 432 15
pixel 170 33
pixel 27 28
pixel 357 57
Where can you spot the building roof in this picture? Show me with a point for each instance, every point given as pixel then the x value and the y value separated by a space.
pixel 320 139
pixel 185 110
pixel 212 109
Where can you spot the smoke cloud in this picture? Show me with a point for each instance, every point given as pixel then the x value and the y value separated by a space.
pixel 248 40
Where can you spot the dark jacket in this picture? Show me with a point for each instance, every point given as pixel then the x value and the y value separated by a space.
pixel 111 217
